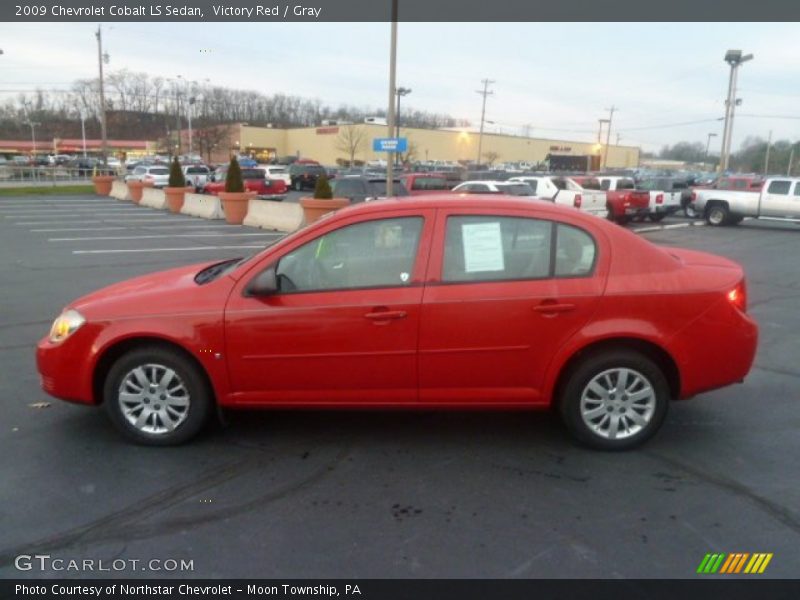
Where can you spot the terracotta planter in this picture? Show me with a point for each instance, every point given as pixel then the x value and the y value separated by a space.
pixel 175 197
pixel 102 184
pixel 135 189
pixel 234 204
pixel 314 208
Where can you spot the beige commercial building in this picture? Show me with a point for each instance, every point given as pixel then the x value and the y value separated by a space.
pixel 331 144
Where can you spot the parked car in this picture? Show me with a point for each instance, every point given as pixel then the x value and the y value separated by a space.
pixel 510 188
pixel 565 191
pixel 425 183
pixel 453 301
pixel 665 195
pixel 778 199
pixel 255 180
pixel 196 175
pixel 304 175
pixel 277 172
pixel 157 174
pixel 358 188
pixel 623 199
pixel 741 183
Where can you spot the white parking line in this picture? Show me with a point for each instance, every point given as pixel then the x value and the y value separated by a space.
pixel 188 249
pixel 175 220
pixel 58 229
pixel 181 225
pixel 76 213
pixel 164 235
pixel 670 226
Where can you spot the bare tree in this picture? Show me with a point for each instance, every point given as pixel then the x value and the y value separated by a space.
pixel 350 140
pixel 491 156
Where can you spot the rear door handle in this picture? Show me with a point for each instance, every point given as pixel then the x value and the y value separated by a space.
pixel 385 315
pixel 553 307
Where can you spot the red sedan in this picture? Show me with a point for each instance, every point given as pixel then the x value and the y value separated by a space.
pixel 442 301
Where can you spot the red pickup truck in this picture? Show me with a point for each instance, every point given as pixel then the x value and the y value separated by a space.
pixel 622 199
pixel 425 183
pixel 255 180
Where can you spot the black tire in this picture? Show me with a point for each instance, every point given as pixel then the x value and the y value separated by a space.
pixel 592 366
pixel 717 214
pixel 198 399
pixel 690 212
pixel 657 217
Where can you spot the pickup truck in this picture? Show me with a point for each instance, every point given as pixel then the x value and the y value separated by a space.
pixel 665 195
pixel 778 200
pixel 425 183
pixel 254 181
pixel 567 192
pixel 623 200
pixel 740 183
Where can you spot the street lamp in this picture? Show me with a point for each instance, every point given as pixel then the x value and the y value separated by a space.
pixel 401 91
pixel 83 131
pixel 735 59
pixel 708 145
pixel 33 125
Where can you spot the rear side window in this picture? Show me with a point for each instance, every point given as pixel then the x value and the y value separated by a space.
pixel 779 187
pixel 489 248
pixel 575 252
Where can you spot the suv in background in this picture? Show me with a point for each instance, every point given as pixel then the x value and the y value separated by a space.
pixel 304 176
pixel 196 176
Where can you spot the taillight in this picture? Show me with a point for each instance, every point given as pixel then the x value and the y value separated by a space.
pixel 738 296
pixel 660 199
pixel 578 201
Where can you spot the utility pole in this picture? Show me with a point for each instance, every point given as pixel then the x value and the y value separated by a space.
pixel 766 157
pixel 401 91
pixel 104 143
pixel 392 84
pixel 791 159
pixel 608 134
pixel 83 132
pixel 485 92
pixel 33 125
pixel 735 59
pixel 708 146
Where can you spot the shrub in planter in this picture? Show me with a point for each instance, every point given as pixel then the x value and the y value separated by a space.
pixel 323 201
pixel 235 199
pixel 176 187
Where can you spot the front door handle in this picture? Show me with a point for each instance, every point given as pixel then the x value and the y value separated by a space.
pixel 385 315
pixel 553 307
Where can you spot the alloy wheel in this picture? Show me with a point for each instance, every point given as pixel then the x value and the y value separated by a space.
pixel 154 399
pixel 617 403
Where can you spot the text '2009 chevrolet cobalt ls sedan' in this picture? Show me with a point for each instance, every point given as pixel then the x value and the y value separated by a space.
pixel 443 301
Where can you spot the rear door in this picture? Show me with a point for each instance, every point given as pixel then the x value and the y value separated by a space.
pixel 505 292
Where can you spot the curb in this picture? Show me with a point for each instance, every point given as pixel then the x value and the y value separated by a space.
pixel 670 226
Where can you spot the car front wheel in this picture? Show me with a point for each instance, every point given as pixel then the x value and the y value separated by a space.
pixel 156 396
pixel 615 400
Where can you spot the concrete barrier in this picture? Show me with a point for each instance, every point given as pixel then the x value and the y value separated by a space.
pixel 119 190
pixel 202 205
pixel 267 214
pixel 153 198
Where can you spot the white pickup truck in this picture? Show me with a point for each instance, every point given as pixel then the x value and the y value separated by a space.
pixel 665 195
pixel 563 190
pixel 778 200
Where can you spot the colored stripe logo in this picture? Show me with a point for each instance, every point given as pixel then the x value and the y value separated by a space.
pixel 735 563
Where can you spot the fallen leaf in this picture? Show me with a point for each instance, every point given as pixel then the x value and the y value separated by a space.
pixel 40 405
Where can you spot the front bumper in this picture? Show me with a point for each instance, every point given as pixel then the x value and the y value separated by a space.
pixel 65 369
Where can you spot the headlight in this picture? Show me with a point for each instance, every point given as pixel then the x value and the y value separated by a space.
pixel 65 325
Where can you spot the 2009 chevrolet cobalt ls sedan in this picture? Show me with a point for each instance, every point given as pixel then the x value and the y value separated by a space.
pixel 443 301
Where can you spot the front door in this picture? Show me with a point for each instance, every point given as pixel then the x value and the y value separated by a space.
pixel 343 327
pixel 778 201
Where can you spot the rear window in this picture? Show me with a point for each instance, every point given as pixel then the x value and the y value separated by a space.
pixel 430 183
pixel 159 171
pixel 252 174
pixel 590 184
pixel 378 188
pixel 276 170
pixel 195 170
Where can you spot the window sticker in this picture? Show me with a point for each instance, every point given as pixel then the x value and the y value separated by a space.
pixel 483 247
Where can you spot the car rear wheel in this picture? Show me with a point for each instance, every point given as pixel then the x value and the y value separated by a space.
pixel 717 214
pixel 615 400
pixel 156 396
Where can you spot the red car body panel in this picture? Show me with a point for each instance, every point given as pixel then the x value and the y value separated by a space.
pixel 466 344
pixel 622 203
pixel 262 187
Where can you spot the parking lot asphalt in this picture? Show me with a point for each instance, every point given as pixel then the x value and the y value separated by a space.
pixel 382 494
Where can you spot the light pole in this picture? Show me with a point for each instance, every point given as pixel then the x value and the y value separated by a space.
pixel 83 132
pixel 708 145
pixel 608 134
pixel 735 59
pixel 33 125
pixel 100 59
pixel 392 83
pixel 400 92
pixel 484 92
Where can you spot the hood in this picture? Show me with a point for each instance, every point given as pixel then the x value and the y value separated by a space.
pixel 164 292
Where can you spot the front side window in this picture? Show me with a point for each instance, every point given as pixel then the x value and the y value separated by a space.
pixel 378 253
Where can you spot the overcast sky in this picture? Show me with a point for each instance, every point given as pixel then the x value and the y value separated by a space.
pixel 558 78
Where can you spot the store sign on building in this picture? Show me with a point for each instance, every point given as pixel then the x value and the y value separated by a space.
pixel 560 148
pixel 327 130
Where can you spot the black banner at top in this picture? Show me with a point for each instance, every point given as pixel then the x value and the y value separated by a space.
pixel 408 10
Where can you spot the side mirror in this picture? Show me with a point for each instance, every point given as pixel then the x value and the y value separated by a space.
pixel 265 284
